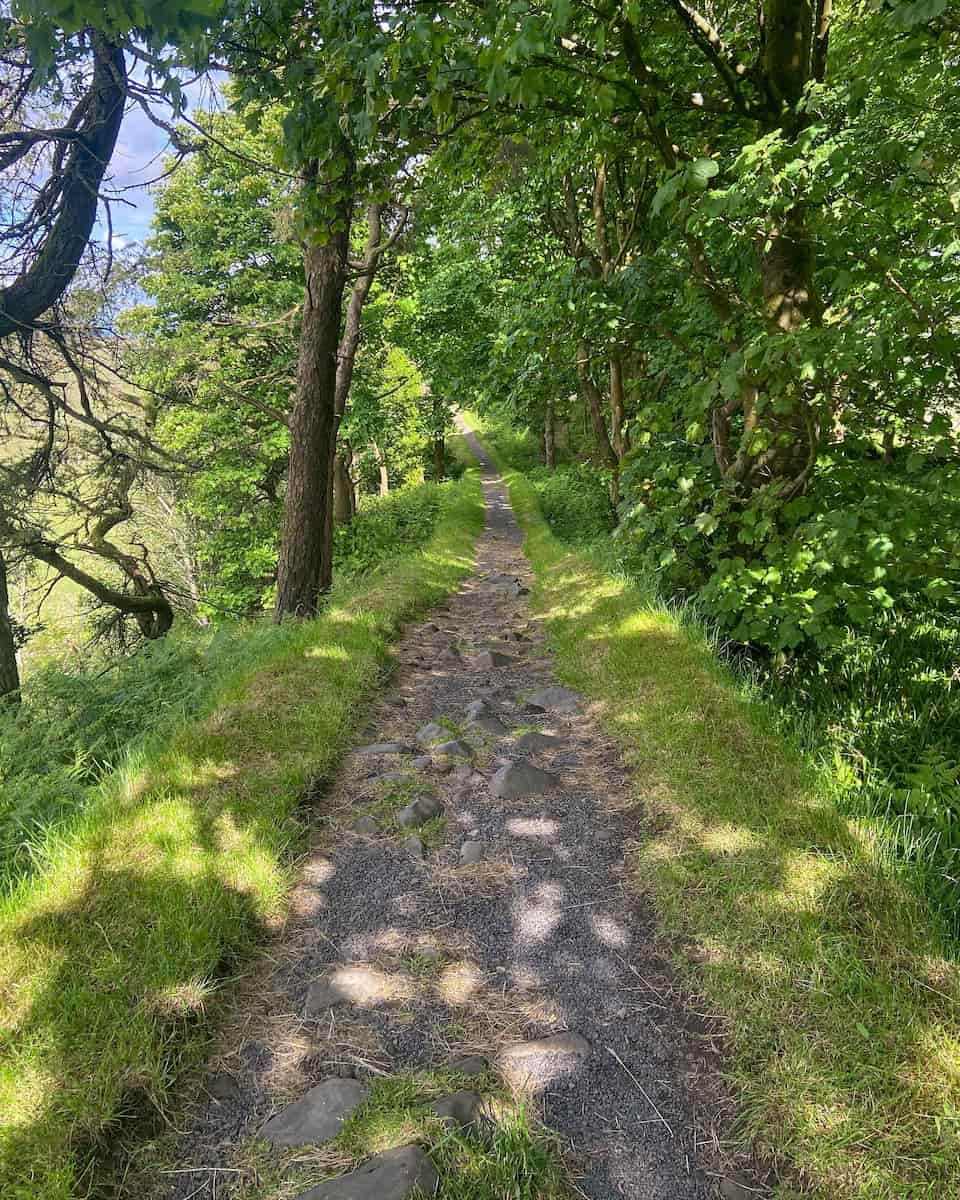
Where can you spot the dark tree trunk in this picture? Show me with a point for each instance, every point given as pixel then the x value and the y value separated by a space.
pixel 343 506
pixel 549 436
pixel 9 673
pixel 595 406
pixel 306 534
pixel 439 458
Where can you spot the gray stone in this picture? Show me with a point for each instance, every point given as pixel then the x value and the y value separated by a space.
pixel 490 659
pixel 536 1064
pixel 462 772
pixel 316 1117
pixel 520 589
pixel 360 986
pixel 560 698
pixel 432 627
pixel 470 853
pixel 521 779
pixel 492 726
pixel 478 708
pixel 533 708
pixel 432 732
pixel 378 748
pixel 394 777
pixel 393 1175
pixel 422 762
pixel 414 847
pixel 423 809
pixel 456 748
pixel 462 1108
pixel 735 1187
pixel 366 825
pixel 537 742
pixel 470 1065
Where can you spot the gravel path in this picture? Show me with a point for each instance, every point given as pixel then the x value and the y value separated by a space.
pixel 541 936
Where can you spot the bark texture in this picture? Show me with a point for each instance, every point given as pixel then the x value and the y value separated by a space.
pixel 306 530
pixel 9 672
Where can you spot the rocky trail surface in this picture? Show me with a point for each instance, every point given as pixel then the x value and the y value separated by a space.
pixel 466 901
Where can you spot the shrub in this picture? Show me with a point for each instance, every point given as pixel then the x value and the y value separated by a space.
pixel 575 501
pixel 386 525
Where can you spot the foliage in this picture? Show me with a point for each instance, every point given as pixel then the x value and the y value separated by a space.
pixel 575 501
pixel 386 526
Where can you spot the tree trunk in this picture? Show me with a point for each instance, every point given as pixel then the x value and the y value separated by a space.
pixel 549 436
pixel 306 532
pixel 343 507
pixel 594 404
pixel 9 674
pixel 618 408
pixel 383 468
pixel 346 360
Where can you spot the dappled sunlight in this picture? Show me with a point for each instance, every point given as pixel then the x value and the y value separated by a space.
pixel 460 983
pixel 729 840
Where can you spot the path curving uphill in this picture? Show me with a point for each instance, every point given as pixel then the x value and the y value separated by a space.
pixel 467 898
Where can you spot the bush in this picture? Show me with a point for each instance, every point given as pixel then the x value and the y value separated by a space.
pixel 385 526
pixel 575 502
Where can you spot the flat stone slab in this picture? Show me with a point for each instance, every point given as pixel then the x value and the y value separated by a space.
pixel 456 748
pixel 414 847
pixel 469 1065
pixel 535 742
pixel 363 987
pixel 470 853
pixel 461 1109
pixel 377 748
pixel 432 732
pixel 490 725
pixel 366 825
pixel 559 698
pixel 535 1064
pixel 478 708
pixel 393 1175
pixel 522 779
pixel 490 659
pixel 317 1116
pixel 423 809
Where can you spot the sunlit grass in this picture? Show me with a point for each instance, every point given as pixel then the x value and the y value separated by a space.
pixel 112 954
pixel 843 1051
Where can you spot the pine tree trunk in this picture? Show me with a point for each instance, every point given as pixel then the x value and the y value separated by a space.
pixel 306 537
pixel 9 673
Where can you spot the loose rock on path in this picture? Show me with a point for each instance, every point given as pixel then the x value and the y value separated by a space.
pixel 505 930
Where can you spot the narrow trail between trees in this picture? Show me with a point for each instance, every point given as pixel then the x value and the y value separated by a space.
pixel 467 896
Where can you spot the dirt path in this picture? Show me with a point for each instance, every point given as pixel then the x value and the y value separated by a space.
pixel 393 960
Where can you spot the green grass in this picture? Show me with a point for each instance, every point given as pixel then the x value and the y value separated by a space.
pixel 839 996
pixel 510 1157
pixel 111 955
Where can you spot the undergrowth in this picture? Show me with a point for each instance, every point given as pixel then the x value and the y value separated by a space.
pixel 113 948
pixel 839 992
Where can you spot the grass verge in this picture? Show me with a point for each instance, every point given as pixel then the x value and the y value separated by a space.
pixel 109 957
pixel 841 1003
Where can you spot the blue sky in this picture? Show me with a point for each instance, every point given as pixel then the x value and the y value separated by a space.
pixel 138 158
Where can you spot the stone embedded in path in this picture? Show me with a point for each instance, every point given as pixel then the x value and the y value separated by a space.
pixel 423 809
pixel 432 732
pixel 478 708
pixel 393 1175
pixel 534 1064
pixel 560 698
pixel 522 779
pixel 489 659
pixel 520 589
pixel 456 748
pixel 316 1117
pixel 366 825
pixel 462 1108
pixel 489 725
pixel 378 748
pixel 363 987
pixel 414 846
pixel 529 707
pixel 422 762
pixel 537 742
pixel 469 1065
pixel 470 853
